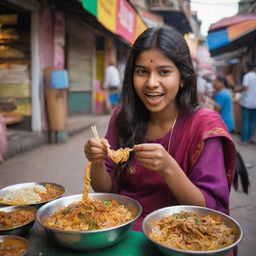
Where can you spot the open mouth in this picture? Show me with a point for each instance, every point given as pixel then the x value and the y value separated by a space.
pixel 154 98
pixel 154 95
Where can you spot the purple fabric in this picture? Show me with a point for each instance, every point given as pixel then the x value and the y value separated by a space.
pixel 209 176
pixel 150 190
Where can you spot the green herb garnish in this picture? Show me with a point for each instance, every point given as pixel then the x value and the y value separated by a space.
pixel 92 224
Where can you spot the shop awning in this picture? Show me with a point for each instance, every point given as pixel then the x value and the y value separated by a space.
pixel 118 16
pixel 232 33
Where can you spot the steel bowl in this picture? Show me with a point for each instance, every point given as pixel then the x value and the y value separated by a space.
pixel 90 239
pixel 21 229
pixel 147 226
pixel 8 189
pixel 19 238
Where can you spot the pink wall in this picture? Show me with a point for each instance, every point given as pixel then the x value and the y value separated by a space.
pixel 46 37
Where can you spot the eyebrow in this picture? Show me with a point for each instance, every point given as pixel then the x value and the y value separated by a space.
pixel 162 66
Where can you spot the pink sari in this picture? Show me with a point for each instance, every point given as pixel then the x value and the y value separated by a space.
pixel 189 136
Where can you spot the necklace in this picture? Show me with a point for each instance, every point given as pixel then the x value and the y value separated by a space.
pixel 170 137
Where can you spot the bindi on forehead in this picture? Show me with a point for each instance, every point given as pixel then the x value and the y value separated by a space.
pixel 151 61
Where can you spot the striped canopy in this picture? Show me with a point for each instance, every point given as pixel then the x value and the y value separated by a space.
pixel 231 33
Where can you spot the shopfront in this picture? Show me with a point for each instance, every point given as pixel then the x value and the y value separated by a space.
pixel 15 66
pixel 19 76
pixel 81 55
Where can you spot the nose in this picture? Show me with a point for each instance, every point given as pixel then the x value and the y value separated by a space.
pixel 153 80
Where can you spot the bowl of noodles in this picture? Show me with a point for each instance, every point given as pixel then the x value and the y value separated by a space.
pixel 30 193
pixel 97 223
pixel 192 230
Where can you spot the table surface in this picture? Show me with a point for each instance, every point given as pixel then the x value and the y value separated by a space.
pixel 133 244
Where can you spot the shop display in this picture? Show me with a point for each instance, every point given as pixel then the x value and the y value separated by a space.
pixel 15 66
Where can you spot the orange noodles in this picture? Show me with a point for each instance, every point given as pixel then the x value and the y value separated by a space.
pixel 87 182
pixel 191 231
pixel 117 156
pixel 88 214
pixel 93 215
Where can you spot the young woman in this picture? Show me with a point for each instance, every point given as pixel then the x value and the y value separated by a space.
pixel 182 154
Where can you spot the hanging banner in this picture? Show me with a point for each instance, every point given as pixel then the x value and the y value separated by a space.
pixel 126 19
pixel 117 16
pixel 107 14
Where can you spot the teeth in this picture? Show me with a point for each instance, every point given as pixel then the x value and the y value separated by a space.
pixel 154 94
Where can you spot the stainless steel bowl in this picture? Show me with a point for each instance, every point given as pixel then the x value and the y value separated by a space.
pixel 147 226
pixel 21 229
pixel 6 190
pixel 92 239
pixel 21 239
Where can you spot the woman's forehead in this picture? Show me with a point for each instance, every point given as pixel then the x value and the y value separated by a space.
pixel 152 56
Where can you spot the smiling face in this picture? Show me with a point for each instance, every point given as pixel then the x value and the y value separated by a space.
pixel 156 81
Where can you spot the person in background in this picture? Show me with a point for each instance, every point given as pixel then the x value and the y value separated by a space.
pixel 111 84
pixel 248 103
pixel 223 101
pixel 182 154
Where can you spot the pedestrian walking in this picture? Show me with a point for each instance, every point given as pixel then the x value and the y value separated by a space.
pixel 248 103
pixel 223 101
pixel 182 154
pixel 111 84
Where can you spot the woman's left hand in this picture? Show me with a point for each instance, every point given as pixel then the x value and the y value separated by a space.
pixel 153 156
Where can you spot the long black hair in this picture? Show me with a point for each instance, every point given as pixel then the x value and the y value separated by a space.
pixel 133 117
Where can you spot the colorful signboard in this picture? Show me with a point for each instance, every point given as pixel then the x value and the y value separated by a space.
pixel 107 14
pixel 117 16
pixel 140 27
pixel 126 18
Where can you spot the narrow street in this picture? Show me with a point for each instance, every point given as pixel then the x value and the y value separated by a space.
pixel 64 164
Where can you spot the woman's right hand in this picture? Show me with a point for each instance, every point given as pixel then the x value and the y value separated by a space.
pixel 96 150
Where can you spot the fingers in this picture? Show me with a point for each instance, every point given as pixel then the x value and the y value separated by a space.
pixel 105 142
pixel 95 150
pixel 152 156
pixel 149 151
pixel 147 147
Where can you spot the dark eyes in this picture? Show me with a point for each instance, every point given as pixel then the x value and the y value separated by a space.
pixel 141 71
pixel 162 72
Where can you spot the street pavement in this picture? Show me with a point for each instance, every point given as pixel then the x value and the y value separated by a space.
pixel 243 207
pixel 64 163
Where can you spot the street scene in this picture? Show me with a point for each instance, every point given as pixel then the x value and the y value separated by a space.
pixel 147 105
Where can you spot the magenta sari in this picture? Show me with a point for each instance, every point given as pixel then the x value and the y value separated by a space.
pixel 194 138
pixel 190 134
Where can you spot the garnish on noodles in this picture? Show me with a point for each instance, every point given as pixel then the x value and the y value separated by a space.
pixel 95 214
pixel 191 231
pixel 88 214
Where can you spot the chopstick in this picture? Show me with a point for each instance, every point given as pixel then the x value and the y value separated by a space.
pixel 94 130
